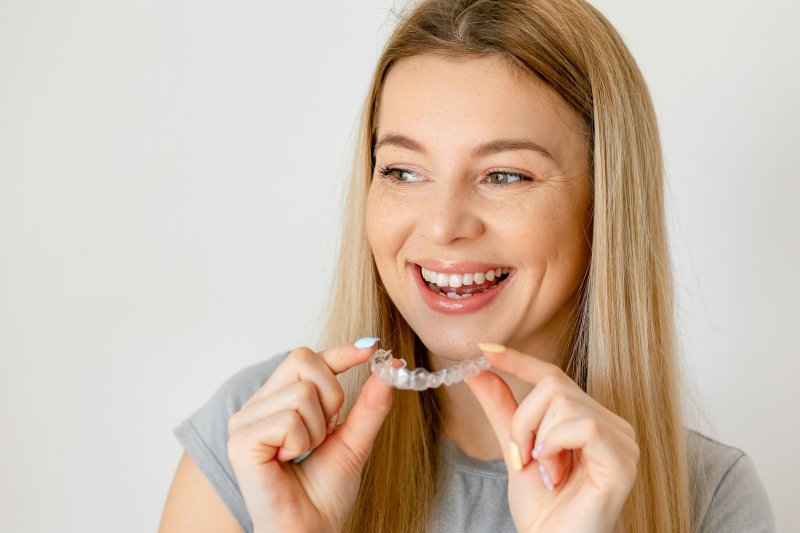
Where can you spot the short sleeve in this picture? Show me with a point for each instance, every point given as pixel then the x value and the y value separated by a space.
pixel 204 434
pixel 740 502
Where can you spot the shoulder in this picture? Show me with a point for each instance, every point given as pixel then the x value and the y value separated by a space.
pixel 242 384
pixel 727 492
pixel 204 434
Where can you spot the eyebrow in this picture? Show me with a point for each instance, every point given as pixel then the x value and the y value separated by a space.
pixel 491 147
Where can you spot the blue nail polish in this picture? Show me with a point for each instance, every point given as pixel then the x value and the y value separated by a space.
pixel 366 342
pixel 298 459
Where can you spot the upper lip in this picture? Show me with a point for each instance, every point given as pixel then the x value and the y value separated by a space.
pixel 457 267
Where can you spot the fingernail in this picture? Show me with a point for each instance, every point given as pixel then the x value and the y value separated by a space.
pixel 492 347
pixel 537 450
pixel 545 477
pixel 332 423
pixel 514 456
pixel 298 459
pixel 366 342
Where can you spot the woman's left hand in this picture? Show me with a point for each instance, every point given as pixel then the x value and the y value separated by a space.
pixel 587 455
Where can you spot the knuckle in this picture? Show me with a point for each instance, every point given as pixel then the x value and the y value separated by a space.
pixel 233 422
pixel 304 392
pixel 594 428
pixel 234 445
pixel 291 420
pixel 337 395
pixel 300 356
pixel 551 383
pixel 561 404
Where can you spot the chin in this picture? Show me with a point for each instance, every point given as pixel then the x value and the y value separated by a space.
pixel 456 345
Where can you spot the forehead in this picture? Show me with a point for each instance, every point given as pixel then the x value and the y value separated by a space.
pixel 449 102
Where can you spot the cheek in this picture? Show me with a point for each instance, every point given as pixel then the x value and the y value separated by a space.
pixel 550 233
pixel 387 226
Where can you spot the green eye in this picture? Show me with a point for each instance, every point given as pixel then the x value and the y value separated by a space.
pixel 505 178
pixel 399 175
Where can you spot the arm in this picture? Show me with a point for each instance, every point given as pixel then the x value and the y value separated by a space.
pixel 193 505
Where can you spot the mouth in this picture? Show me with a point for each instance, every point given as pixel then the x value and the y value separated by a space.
pixel 464 288
pixel 456 286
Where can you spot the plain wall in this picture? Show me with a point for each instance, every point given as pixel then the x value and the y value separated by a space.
pixel 170 175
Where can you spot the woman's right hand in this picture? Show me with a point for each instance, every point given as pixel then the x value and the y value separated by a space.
pixel 291 414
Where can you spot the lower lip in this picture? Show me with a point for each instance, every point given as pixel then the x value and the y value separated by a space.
pixel 443 304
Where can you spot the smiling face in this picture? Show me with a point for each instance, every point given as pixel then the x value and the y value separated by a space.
pixel 478 205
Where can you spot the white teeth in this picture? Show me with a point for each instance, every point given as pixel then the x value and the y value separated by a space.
pixel 457 280
pixel 453 296
pixel 466 295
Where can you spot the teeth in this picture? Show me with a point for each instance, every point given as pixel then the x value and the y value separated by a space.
pixel 438 281
pixel 453 296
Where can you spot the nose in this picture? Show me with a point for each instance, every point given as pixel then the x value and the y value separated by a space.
pixel 450 214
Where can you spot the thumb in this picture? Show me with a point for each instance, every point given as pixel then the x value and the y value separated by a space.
pixel 497 402
pixel 357 435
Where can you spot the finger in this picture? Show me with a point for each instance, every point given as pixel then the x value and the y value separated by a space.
pixel 499 404
pixel 357 434
pixel 606 452
pixel 347 356
pixel 281 436
pixel 303 364
pixel 525 367
pixel 301 397
pixel 549 399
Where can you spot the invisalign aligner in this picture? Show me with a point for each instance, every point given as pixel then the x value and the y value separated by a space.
pixel 419 379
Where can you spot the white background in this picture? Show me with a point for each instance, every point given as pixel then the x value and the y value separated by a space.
pixel 170 178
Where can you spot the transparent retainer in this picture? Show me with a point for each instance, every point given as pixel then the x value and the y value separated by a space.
pixel 421 379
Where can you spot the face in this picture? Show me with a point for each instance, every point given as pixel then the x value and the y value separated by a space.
pixel 478 206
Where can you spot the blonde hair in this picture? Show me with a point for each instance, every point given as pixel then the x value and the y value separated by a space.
pixel 622 351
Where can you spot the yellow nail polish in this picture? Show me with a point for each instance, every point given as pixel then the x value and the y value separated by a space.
pixel 492 347
pixel 515 457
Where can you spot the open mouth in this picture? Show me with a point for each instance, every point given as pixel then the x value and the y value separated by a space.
pixel 457 286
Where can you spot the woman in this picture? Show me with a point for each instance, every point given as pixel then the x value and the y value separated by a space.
pixel 506 201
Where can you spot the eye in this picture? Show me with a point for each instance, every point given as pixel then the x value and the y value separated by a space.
pixel 505 178
pixel 399 175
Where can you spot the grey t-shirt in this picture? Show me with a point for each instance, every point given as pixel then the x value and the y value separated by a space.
pixel 474 493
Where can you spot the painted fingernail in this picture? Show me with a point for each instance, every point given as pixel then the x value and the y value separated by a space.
pixel 298 459
pixel 545 477
pixel 537 450
pixel 366 342
pixel 492 347
pixel 332 423
pixel 514 456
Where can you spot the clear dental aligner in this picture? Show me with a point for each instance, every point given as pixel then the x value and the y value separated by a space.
pixel 421 379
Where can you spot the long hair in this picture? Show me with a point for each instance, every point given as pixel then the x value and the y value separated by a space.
pixel 622 349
